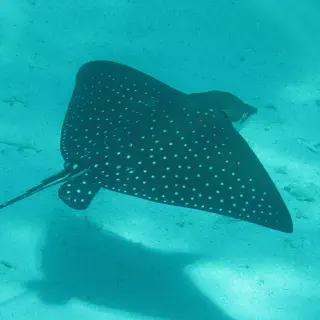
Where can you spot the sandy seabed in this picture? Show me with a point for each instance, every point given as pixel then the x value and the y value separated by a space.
pixel 125 258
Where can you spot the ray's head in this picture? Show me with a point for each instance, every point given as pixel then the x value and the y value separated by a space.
pixel 233 107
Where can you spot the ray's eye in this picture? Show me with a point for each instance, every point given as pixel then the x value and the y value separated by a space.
pixel 224 112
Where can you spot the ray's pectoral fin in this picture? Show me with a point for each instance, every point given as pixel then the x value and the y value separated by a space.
pixel 79 191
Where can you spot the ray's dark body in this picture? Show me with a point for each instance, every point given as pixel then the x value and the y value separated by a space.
pixel 130 133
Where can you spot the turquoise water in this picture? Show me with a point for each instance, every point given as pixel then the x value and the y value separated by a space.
pixel 125 258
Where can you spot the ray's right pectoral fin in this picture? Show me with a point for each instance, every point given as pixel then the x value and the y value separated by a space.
pixel 78 192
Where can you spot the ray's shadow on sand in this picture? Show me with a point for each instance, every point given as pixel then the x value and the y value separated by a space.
pixel 79 261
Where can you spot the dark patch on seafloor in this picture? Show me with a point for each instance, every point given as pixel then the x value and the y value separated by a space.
pixel 104 269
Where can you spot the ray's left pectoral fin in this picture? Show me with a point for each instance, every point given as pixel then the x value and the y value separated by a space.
pixel 78 192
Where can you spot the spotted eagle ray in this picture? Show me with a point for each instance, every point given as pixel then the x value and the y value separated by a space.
pixel 130 133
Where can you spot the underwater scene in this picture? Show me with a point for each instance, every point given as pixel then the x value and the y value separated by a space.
pixel 159 160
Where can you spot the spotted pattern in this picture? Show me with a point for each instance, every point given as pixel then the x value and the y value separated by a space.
pixel 142 138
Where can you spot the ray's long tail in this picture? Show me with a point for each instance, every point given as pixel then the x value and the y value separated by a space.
pixel 57 178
